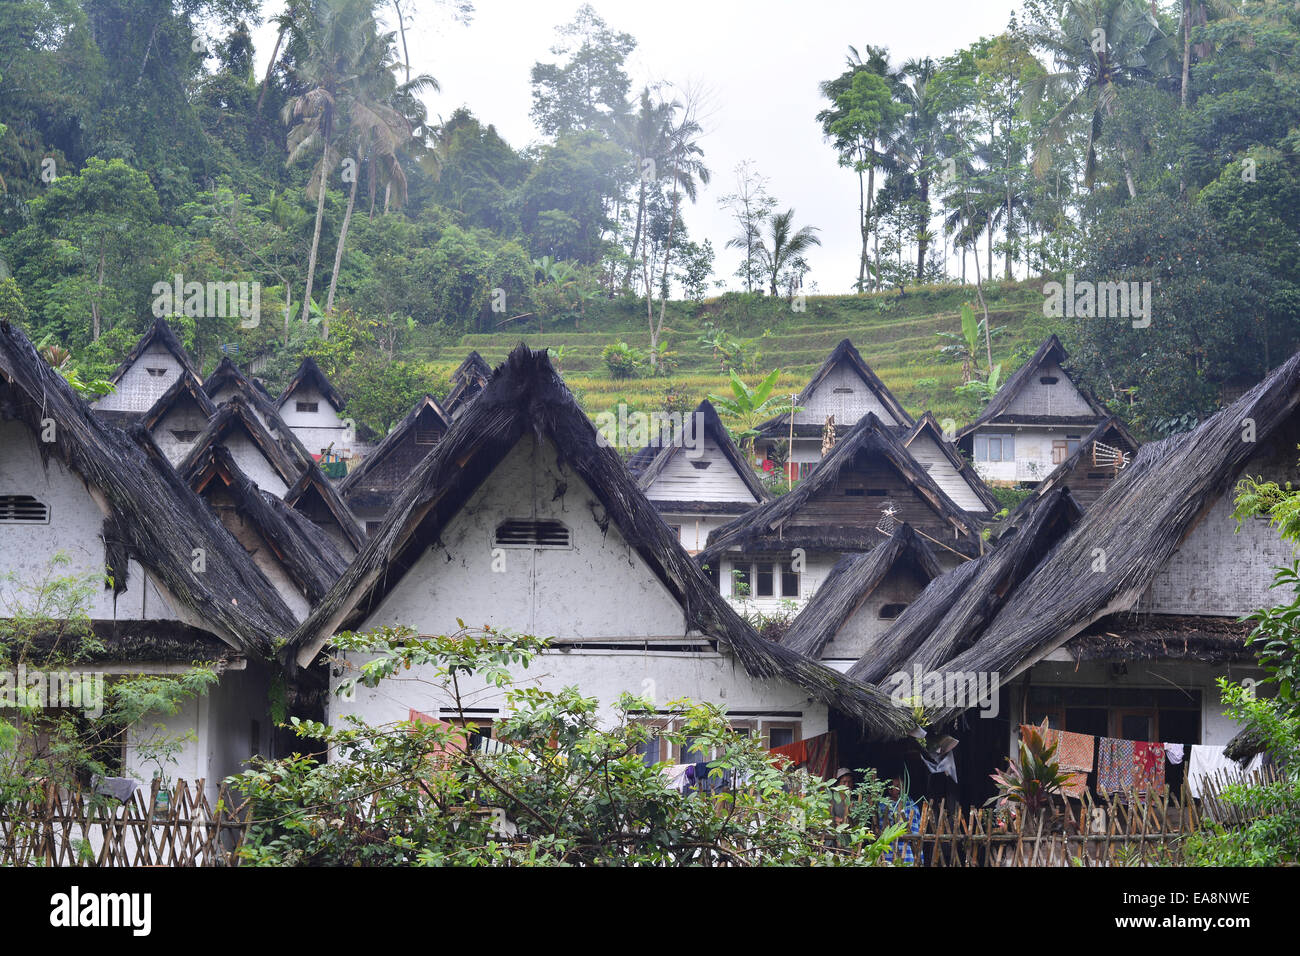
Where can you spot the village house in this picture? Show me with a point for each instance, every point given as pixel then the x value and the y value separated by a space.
pixel 372 486
pixel 934 451
pixel 698 488
pixel 144 376
pixel 523 520
pixel 1102 455
pixel 1117 621
pixel 312 407
pixel 845 389
pixel 469 379
pixel 784 549
pixel 1034 423
pixel 179 416
pixel 82 498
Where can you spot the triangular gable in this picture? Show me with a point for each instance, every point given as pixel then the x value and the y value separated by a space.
pixel 1024 399
pixel 309 375
pixel 673 476
pixel 951 471
pixel 862 393
pixel 151 368
pixel 381 476
pixel 186 392
pixel 315 496
pixel 1081 471
pixel 153 517
pixel 236 426
pixel 469 379
pixel 792 520
pixel 853 580
pixel 527 398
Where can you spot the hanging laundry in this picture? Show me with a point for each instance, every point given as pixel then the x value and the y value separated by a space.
pixel 1206 761
pixel 1074 754
pixel 1174 752
pixel 675 776
pixel 818 755
pixel 945 764
pixel 1148 766
pixel 1114 765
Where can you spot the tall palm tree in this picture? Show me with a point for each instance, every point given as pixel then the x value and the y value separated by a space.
pixel 335 33
pixel 786 244
pixel 1098 47
pixel 918 140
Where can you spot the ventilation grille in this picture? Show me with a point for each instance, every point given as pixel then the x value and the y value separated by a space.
pixel 23 509
pixel 524 533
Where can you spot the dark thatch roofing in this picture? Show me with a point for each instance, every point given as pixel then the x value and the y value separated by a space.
pixel 233 416
pixel 927 423
pixel 186 387
pixel 527 397
pixel 949 615
pixel 713 428
pixel 154 517
pixel 769 525
pixel 842 354
pixel 143 642
pixel 309 373
pixel 312 491
pixel 382 490
pixel 853 579
pixel 469 379
pixel 1051 352
pixel 1137 524
pixel 309 556
pixel 1163 637
pixel 160 333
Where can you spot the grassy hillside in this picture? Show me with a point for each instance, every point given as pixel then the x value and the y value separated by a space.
pixel 896 335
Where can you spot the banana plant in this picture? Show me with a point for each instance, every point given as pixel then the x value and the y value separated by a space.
pixel 751 406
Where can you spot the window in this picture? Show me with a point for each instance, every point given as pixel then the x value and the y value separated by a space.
pixel 372 527
pixel 891 611
pixel 877 492
pixel 702 463
pixel 712 571
pixel 1064 448
pixel 23 509
pixel 307 406
pixel 995 448
pixel 1048 380
pixel 651 750
pixel 676 529
pixel 692 750
pixel 780 735
pixel 184 435
pixel 763 580
pixel 740 578
pixel 156 372
pixel 530 533
pixel 789 581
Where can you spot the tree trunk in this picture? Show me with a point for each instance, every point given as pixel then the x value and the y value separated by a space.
pixel 862 229
pixel 94 303
pixel 343 234
pixel 636 234
pixel 922 242
pixel 315 243
pixel 867 223
pixel 270 68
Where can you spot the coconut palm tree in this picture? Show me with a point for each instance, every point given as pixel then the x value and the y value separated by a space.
pixel 1098 47
pixel 335 33
pixel 786 244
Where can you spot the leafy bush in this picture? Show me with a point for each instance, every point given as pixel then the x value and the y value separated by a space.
pixel 622 360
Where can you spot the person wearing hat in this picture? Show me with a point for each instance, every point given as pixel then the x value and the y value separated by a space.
pixel 841 800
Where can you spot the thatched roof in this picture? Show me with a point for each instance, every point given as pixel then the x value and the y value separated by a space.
pixel 314 495
pixel 309 374
pixel 1130 636
pixel 469 379
pixel 231 418
pixel 1110 431
pixel 949 615
pixel 153 515
pixel 365 483
pixel 852 581
pixel 1137 524
pixel 1050 353
pixel 185 388
pixel 309 556
pixel 770 524
pixel 843 354
pixel 526 397
pixel 714 429
pixel 160 333
pixel 927 424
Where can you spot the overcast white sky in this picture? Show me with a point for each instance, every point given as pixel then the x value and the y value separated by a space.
pixel 760 60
